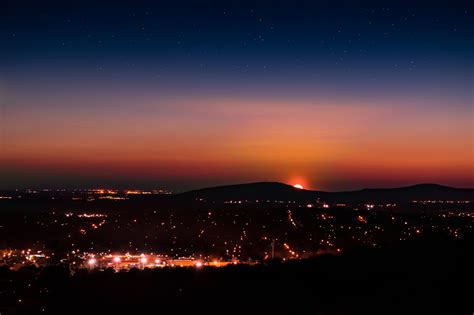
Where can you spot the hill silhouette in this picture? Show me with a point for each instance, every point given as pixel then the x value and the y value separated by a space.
pixel 279 191
pixel 252 191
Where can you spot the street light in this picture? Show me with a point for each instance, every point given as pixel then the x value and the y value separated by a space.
pixel 117 261
pixel 91 263
pixel 143 261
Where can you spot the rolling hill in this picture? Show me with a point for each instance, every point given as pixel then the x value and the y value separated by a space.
pixel 280 191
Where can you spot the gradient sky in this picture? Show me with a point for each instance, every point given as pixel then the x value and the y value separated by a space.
pixel 182 94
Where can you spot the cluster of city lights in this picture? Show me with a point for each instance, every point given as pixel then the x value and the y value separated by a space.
pixel 128 261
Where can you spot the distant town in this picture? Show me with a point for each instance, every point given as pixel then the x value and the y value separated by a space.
pixel 125 229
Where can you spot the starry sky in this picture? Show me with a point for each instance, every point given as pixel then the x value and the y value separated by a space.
pixel 333 95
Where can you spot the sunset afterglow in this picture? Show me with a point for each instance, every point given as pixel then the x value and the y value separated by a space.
pixel 340 114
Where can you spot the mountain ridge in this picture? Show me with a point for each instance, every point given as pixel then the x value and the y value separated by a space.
pixel 281 191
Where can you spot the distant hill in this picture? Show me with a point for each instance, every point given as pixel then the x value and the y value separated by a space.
pixel 406 194
pixel 280 191
pixel 251 192
pixel 262 191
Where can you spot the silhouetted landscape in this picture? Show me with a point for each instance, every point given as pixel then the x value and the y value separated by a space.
pixel 279 191
pixel 236 157
pixel 246 195
pixel 265 246
pixel 429 275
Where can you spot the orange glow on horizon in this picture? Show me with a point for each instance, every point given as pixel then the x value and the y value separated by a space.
pixel 333 144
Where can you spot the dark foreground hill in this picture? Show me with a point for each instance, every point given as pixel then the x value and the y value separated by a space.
pixel 426 276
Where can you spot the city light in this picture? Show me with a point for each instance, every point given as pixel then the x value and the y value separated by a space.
pixel 298 186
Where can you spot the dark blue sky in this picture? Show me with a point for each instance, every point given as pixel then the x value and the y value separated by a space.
pixel 226 42
pixel 283 30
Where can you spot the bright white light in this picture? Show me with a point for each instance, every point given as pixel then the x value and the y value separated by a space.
pixel 117 259
pixel 143 260
pixel 157 261
pixel 199 264
pixel 91 261
pixel 298 186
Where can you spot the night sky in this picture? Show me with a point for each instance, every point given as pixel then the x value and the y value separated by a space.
pixel 183 94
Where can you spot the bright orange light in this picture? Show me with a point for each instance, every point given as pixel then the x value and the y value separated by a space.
pixel 199 264
pixel 298 186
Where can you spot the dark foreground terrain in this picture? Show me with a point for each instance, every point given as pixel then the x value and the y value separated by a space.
pixel 428 275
